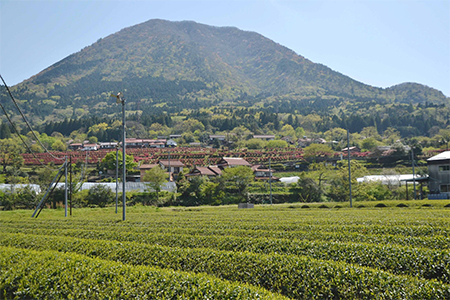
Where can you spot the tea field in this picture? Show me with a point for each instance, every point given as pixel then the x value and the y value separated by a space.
pixel 269 252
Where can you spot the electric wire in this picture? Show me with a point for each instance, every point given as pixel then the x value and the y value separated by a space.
pixel 18 134
pixel 26 122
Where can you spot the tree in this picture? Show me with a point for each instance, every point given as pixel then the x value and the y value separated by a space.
pixel 336 134
pixel 339 185
pixel 5 132
pixel 315 150
pixel 370 132
pixel 255 144
pixel 322 169
pixel 307 190
pixel 93 139
pixel 288 130
pixel 58 145
pixel 99 195
pixel 369 144
pixel 36 148
pixel 391 135
pixel 277 144
pixel 155 178
pixel 237 180
pixel 94 130
pixel 109 161
pixel 10 154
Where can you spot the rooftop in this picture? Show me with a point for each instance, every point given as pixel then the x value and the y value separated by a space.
pixel 441 156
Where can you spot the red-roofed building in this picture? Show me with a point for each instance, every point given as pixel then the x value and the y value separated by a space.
pixel 263 173
pixel 204 171
pixel 227 162
pixel 144 168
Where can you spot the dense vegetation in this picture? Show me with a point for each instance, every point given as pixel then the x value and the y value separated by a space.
pixel 225 253
pixel 166 67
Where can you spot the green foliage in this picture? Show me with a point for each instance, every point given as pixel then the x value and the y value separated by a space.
pixel 372 191
pixel 315 150
pixel 277 144
pixel 10 151
pixel 109 161
pixel 255 144
pixel 58 145
pixel 236 180
pixel 99 195
pixel 269 248
pixel 339 185
pixel 79 277
pixel 155 178
pixel 369 144
pixel 175 80
pixel 307 190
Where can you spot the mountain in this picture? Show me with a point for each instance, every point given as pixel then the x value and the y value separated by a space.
pixel 164 66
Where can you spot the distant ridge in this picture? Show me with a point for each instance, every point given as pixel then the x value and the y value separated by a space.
pixel 164 65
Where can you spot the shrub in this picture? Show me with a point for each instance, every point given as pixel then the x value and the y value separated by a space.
pixel 99 195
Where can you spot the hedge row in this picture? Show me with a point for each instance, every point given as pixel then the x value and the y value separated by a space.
pixel 421 262
pixel 323 233
pixel 28 274
pixel 276 198
pixel 295 276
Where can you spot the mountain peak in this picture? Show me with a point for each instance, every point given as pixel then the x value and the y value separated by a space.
pixel 159 62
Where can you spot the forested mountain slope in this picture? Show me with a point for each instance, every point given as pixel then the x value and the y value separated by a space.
pixel 164 66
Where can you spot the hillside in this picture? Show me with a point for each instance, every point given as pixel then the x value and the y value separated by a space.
pixel 164 66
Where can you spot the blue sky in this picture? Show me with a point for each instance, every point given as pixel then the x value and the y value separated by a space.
pixel 381 43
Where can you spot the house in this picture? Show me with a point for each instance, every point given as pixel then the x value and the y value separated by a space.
pixel 75 146
pixel 288 139
pixel 171 143
pixel 439 175
pixel 267 137
pixel 134 143
pixel 144 168
pixel 353 149
pixel 263 173
pixel 305 141
pixel 108 145
pixel 213 137
pixel 172 166
pixel 159 143
pixel 204 171
pixel 227 162
pixel 89 147
pixel 216 170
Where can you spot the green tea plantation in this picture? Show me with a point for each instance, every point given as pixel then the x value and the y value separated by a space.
pixel 268 252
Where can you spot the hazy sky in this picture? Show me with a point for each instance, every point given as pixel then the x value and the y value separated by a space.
pixel 381 43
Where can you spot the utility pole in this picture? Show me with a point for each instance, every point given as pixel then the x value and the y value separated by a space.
pixel 121 100
pixel 349 168
pixel 414 172
pixel 65 188
pixel 117 174
pixel 70 184
pixel 124 176
pixel 169 166
pixel 270 180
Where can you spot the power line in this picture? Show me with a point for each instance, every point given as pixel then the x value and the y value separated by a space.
pixel 15 129
pixel 26 121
